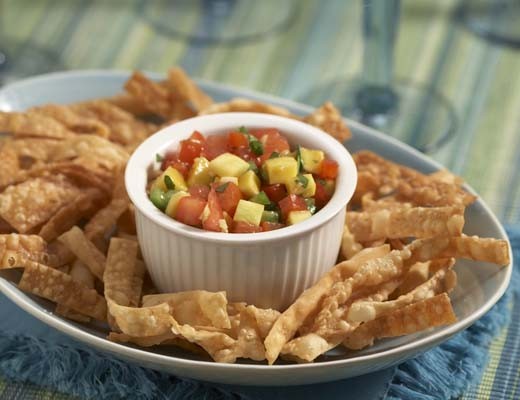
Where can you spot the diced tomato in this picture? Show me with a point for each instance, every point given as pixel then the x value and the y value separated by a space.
pixel 172 160
pixel 328 169
pixel 321 197
pixel 270 226
pixel 244 227
pixel 189 210
pixel 275 192
pixel 237 140
pixel 211 222
pixel 189 150
pixel 197 137
pixel 215 146
pixel 291 203
pixel 273 142
pixel 200 191
pixel 229 198
pixel 259 132
pixel 245 153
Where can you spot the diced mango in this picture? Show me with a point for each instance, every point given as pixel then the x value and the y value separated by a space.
pixel 311 159
pixel 228 179
pixel 249 184
pixel 297 216
pixel 175 176
pixel 200 173
pixel 305 187
pixel 280 169
pixel 228 164
pixel 249 212
pixel 171 209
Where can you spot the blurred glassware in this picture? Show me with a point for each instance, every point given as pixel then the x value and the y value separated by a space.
pixel 414 113
pixel 210 21
pixel 495 20
pixel 19 59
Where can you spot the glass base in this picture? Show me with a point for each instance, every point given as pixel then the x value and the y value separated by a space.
pixel 218 21
pixel 414 114
pixel 19 60
pixel 495 20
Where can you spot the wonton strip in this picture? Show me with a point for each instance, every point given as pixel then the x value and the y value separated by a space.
pixel 61 288
pixel 328 118
pixel 85 250
pixel 309 301
pixel 119 271
pixel 187 90
pixel 16 249
pixel 153 96
pixel 417 222
pixel 425 314
pixel 31 124
pixel 144 321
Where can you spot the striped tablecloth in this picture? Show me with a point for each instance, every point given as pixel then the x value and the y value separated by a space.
pixel 322 44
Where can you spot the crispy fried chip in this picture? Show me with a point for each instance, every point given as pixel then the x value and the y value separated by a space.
pixel 308 302
pixel 402 222
pixel 144 321
pixel 187 90
pixel 71 314
pixel 84 250
pixel 245 105
pixel 16 249
pixel 426 314
pixel 154 97
pixel 10 163
pixel 61 288
pixel 119 271
pixel 32 124
pixel 195 308
pixel 32 203
pixel 328 118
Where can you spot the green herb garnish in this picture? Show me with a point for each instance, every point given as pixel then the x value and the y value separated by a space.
pixel 311 205
pixel 243 130
pixel 159 158
pixel 168 182
pixel 261 198
pixel 274 154
pixel 255 146
pixel 299 158
pixel 302 180
pixel 222 188
pixel 253 167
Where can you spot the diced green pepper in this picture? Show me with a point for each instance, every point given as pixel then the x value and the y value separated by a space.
pixel 270 216
pixel 261 198
pixel 160 199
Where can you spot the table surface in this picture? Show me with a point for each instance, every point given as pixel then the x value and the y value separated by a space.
pixel 322 44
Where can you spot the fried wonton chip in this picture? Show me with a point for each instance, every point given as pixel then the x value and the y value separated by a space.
pixel 328 118
pixel 72 121
pixel 144 321
pixel 443 280
pixel 349 246
pixel 105 219
pixel 16 249
pixel 61 288
pixel 31 124
pixel 66 312
pixel 187 90
pixel 195 308
pixel 10 163
pixel 402 222
pixel 309 301
pixel 154 97
pixel 129 103
pixel 425 314
pixel 246 105
pixel 119 271
pixel 32 203
pixel 76 241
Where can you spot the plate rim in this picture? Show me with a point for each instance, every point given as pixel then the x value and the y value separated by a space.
pixel 24 302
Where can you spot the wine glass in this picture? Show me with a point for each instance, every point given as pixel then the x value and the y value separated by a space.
pixel 228 22
pixel 21 58
pixel 495 20
pixel 414 113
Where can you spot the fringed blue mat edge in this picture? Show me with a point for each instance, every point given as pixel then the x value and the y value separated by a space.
pixel 441 373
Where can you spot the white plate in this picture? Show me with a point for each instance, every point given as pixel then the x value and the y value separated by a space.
pixel 480 287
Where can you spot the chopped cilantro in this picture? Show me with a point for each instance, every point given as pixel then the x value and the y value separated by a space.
pixel 299 158
pixel 302 180
pixel 168 182
pixel 158 157
pixel 243 130
pixel 222 188
pixel 253 167
pixel 311 206
pixel 274 154
pixel 256 146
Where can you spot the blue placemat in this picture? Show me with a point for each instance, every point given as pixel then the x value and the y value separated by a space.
pixel 30 351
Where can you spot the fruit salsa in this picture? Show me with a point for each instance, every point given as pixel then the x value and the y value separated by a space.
pixel 245 181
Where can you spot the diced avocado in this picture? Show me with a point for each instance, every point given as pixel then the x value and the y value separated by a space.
pixel 159 198
pixel 250 212
pixel 171 209
pixel 311 159
pixel 199 172
pixel 303 185
pixel 270 216
pixel 228 164
pixel 280 169
pixel 228 179
pixel 297 216
pixel 249 184
pixel 260 198
pixel 175 176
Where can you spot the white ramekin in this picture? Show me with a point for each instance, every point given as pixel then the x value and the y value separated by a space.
pixel 268 269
